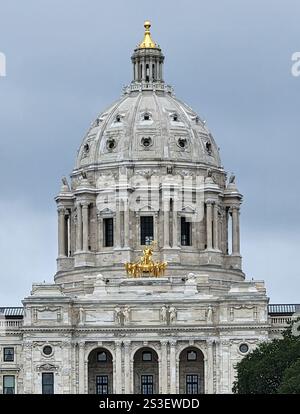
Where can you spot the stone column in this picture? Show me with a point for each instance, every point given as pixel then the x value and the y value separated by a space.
pixel 173 366
pixel 175 227
pixel 99 232
pixel 235 230
pixel 216 227
pixel 117 230
pixel 79 228
pixel 86 377
pixel 209 375
pixel 164 367
pixel 81 367
pixel 118 366
pixel 225 382
pixel 127 363
pixel 155 225
pixel 126 224
pixel 61 232
pixel 167 224
pixel 150 70
pixel 85 226
pixel 209 206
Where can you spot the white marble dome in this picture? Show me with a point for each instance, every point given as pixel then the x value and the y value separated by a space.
pixel 148 125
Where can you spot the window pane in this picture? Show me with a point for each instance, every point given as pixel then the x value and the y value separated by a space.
pixel 147 356
pixel 191 356
pixel 102 384
pixel 192 384
pixel 146 223
pixel 102 357
pixel 186 239
pixel 47 383
pixel 8 384
pixel 8 354
pixel 147 384
pixel 108 232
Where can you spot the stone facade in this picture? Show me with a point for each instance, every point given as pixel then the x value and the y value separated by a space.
pixel 148 169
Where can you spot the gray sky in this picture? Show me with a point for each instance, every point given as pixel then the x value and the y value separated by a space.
pixel 230 60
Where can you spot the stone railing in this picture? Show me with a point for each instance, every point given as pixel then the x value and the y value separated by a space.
pixel 144 86
pixel 280 321
pixel 10 324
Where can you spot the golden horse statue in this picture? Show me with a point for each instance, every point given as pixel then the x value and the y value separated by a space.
pixel 146 265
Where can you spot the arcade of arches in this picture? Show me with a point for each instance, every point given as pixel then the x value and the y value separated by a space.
pixel 146 371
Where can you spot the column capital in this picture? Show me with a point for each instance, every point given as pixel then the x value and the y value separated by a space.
pixel 173 342
pixel 85 204
pixel 127 343
pixel 234 207
pixel 61 210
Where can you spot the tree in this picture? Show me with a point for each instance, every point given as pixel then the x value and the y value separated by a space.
pixel 272 368
pixel 291 379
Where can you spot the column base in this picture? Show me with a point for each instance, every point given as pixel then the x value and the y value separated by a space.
pixel 211 257
pixel 83 259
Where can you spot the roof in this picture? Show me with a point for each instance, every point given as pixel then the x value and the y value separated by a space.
pixel 9 312
pixel 284 308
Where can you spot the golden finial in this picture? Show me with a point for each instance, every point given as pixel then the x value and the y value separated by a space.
pixel 147 42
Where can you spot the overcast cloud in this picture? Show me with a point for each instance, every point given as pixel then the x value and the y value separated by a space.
pixel 230 60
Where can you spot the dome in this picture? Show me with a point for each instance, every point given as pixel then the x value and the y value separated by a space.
pixel 147 171
pixel 148 125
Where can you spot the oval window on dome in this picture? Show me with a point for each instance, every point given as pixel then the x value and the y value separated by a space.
pixel 146 142
pixel 182 142
pixel 175 117
pixel 111 144
pixel 146 116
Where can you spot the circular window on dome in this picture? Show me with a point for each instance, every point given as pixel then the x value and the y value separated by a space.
pixel 146 142
pixel 146 116
pixel 182 142
pixel 244 348
pixel 111 144
pixel 47 350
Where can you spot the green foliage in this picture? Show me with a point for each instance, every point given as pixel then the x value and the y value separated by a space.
pixel 272 368
pixel 291 379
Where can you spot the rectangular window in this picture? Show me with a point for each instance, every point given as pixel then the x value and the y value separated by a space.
pixel 147 384
pixel 146 223
pixel 8 384
pixel 8 354
pixel 47 383
pixel 102 384
pixel 192 384
pixel 108 224
pixel 186 234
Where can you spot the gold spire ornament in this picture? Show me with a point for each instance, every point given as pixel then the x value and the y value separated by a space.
pixel 147 43
pixel 146 265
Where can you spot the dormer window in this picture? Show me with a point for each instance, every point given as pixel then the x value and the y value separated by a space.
pixel 146 116
pixel 175 117
pixel 118 118
pixel 208 147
